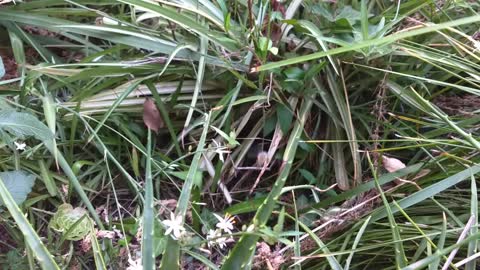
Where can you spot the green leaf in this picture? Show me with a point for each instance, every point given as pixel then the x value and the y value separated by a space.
pixel 245 206
pixel 71 222
pixel 197 177
pixel 364 44
pixel 18 183
pixel 185 22
pixel 309 176
pixel 285 116
pixel 36 245
pixel 148 229
pixel 22 125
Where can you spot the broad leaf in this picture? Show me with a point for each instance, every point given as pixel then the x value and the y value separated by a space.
pixel 346 16
pixel 71 222
pixel 18 183
pixel 22 124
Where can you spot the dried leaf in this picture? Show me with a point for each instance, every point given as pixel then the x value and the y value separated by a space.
pixel 392 164
pixel 106 234
pixel 151 116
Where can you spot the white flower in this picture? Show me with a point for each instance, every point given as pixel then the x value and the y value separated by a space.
pixel 220 150
pixel 226 223
pixel 174 225
pixel 215 239
pixel 135 264
pixel 20 146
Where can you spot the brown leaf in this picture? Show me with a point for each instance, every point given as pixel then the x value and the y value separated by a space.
pixel 151 116
pixel 392 164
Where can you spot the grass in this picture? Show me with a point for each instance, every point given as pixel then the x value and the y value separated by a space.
pixel 275 112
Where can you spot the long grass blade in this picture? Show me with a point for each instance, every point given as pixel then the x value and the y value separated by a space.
pixel 148 254
pixel 170 259
pixel 239 257
pixel 36 245
pixel 364 44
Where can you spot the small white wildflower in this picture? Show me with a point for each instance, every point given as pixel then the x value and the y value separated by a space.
pixel 174 224
pixel 220 150
pixel 135 264
pixel 226 223
pixel 215 239
pixel 20 146
pixel 212 234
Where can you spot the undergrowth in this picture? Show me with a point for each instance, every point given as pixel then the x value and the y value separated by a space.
pixel 235 134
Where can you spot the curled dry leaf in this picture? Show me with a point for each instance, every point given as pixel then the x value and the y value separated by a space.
pixel 393 165
pixel 151 116
pixel 105 234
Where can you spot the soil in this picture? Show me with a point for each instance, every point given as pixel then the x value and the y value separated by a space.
pixel 458 105
pixel 10 65
pixel 6 242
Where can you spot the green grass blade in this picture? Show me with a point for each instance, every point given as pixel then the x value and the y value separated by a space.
pixel 428 192
pixel 41 253
pixel 47 178
pixel 241 254
pixel 322 247
pixel 97 250
pixel 441 242
pixel 417 227
pixel 356 242
pixel 386 178
pixel 473 245
pixel 400 258
pixel 132 86
pixel 364 44
pixel 148 254
pixel 426 261
pixel 184 21
pixel 202 258
pixel 63 163
pixel 199 81
pixel 364 19
pixel 170 259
